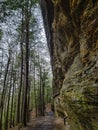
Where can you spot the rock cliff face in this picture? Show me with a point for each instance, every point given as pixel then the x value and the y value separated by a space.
pixel 72 34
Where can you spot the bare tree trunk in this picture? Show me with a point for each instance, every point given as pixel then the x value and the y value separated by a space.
pixel 7 113
pixel 1 64
pixel 43 78
pixel 21 77
pixel 3 92
pixel 35 89
pixel 27 64
pixel 43 93
pixel 40 92
pixel 12 105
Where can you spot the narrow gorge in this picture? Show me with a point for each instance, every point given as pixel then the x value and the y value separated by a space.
pixel 72 33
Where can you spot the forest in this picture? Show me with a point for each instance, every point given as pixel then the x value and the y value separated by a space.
pixel 25 70
pixel 48 64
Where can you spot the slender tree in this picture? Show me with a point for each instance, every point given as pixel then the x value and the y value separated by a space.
pixel 4 90
pixel 19 118
pixel 27 19
pixel 9 95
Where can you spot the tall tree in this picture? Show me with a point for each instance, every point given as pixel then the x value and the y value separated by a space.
pixel 4 90
pixel 19 118
pixel 27 22
pixel 9 95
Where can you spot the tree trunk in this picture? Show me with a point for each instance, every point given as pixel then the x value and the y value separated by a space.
pixel 12 105
pixel 19 118
pixel 27 64
pixel 43 93
pixel 35 90
pixel 7 113
pixel 3 92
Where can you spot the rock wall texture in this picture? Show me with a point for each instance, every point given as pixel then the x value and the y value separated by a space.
pixel 72 34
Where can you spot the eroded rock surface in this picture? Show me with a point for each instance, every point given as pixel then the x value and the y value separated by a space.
pixel 72 33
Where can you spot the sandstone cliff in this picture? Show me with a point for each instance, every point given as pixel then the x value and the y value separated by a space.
pixel 72 34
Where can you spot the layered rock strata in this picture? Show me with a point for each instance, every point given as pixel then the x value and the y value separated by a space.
pixel 72 34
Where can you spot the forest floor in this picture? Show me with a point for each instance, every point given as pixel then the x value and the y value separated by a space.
pixel 45 123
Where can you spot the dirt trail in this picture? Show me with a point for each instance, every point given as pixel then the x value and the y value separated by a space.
pixel 46 123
